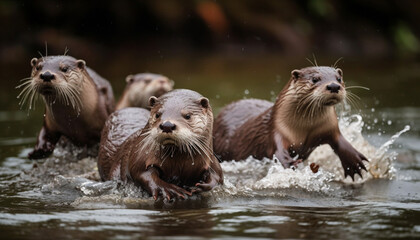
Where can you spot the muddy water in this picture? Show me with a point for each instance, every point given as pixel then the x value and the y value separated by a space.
pixel 60 197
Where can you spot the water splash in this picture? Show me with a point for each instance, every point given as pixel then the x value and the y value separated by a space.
pixel 64 174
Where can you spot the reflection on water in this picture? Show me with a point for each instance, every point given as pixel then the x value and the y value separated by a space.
pixel 61 196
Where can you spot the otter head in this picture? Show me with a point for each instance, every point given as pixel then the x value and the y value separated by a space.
pixel 182 120
pixel 144 85
pixel 55 78
pixel 324 84
pixel 311 91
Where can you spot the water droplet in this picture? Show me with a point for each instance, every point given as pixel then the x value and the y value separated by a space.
pixel 375 120
pixel 246 91
pixel 379 134
pixel 389 122
pixel 372 110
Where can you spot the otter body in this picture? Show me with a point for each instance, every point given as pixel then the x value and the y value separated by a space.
pixel 302 118
pixel 120 125
pixel 172 155
pixel 78 102
pixel 140 87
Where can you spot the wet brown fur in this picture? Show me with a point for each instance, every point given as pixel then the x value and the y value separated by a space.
pixel 302 118
pixel 78 102
pixel 140 87
pixel 166 169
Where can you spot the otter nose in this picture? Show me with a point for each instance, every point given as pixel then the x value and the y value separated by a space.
pixel 167 127
pixel 47 76
pixel 333 88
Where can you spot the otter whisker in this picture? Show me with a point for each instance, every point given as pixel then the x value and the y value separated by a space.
pixel 23 84
pixel 74 99
pixel 25 90
pixel 24 94
pixel 31 99
pixel 316 64
pixel 336 62
pixel 25 79
pixel 361 87
pixel 352 94
pixel 46 49
pixel 41 55
pixel 353 99
pixel 202 145
pixel 66 50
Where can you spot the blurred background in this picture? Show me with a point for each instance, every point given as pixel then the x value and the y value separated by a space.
pixel 226 50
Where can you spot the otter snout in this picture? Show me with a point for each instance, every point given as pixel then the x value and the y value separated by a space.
pixel 47 76
pixel 162 81
pixel 333 88
pixel 167 127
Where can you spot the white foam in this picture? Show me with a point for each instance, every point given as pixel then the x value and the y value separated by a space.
pixel 63 173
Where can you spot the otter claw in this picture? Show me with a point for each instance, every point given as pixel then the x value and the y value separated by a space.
pixel 351 170
pixel 170 192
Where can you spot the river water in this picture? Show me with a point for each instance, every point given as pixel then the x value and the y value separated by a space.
pixel 61 197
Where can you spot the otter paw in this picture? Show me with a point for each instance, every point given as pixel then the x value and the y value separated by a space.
pixel 39 154
pixel 170 192
pixel 354 165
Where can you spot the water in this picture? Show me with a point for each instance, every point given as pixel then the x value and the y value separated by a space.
pixel 61 197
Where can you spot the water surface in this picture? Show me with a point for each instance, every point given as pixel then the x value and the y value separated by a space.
pixel 60 197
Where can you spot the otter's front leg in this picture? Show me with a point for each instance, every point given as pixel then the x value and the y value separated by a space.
pixel 351 159
pixel 151 182
pixel 45 143
pixel 283 155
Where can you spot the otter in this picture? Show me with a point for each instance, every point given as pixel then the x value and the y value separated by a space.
pixel 78 102
pixel 302 118
pixel 140 87
pixel 170 154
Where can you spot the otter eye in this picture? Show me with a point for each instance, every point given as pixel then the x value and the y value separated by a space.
pixel 316 79
pixel 187 116
pixel 38 67
pixel 339 80
pixel 147 81
pixel 64 69
pixel 157 115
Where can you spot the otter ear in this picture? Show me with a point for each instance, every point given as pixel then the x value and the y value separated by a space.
pixel 81 64
pixel 204 102
pixel 34 61
pixel 296 74
pixel 152 101
pixel 340 71
pixel 171 82
pixel 129 79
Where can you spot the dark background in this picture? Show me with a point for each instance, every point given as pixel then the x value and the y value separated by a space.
pixel 217 46
pixel 136 29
